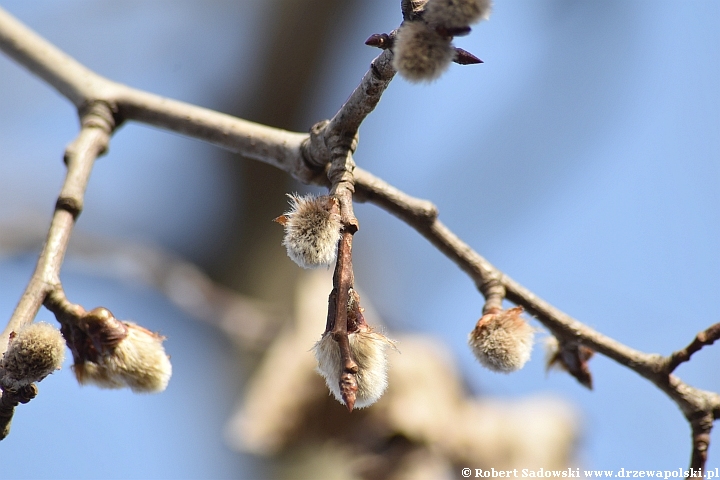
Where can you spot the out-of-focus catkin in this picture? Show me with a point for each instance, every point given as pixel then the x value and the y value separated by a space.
pixel 369 350
pixel 34 352
pixel 421 54
pixel 137 361
pixel 456 13
pixel 312 230
pixel 502 341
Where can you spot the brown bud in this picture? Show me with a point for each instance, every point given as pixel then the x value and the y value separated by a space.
pixel 103 328
pixel 379 40
pixel 463 57
pixel 570 357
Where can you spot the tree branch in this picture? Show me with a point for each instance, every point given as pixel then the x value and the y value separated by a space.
pixel 702 339
pixel 80 155
pixel 306 158
pixel 422 216
pixel 74 81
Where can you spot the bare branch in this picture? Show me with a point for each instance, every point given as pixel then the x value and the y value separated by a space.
pixel 274 146
pixel 81 86
pixel 420 214
pixel 80 155
pixel 8 401
pixel 703 339
pixel 341 131
pixel 74 81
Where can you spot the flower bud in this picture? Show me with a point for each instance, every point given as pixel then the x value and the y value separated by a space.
pixel 502 341
pixel 368 349
pixel 312 230
pixel 34 352
pixel 420 52
pixel 137 361
pixel 453 14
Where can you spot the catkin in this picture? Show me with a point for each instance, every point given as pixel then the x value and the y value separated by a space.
pixel 421 54
pixel 368 349
pixel 138 361
pixel 502 342
pixel 456 13
pixel 35 352
pixel 312 230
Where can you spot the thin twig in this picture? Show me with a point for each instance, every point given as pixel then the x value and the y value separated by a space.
pixel 343 127
pixel 97 126
pixel 80 155
pixel 343 282
pixel 421 215
pixel 702 339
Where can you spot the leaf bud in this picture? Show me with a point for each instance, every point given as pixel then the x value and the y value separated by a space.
pixel 33 353
pixel 368 349
pixel 312 230
pixel 502 341
pixel 421 54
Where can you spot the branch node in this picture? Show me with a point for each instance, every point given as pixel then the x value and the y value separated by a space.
pixel 98 114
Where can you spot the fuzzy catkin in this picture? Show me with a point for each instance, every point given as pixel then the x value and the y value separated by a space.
pixel 421 54
pixel 368 349
pixel 456 13
pixel 35 352
pixel 138 361
pixel 502 342
pixel 312 230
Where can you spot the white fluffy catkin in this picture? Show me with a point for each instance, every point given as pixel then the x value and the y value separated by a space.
pixel 35 352
pixel 138 361
pixel 456 13
pixel 368 349
pixel 421 54
pixel 312 230
pixel 502 341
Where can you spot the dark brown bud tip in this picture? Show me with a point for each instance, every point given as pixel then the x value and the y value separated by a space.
pixel 463 57
pixel 103 328
pixel 379 40
pixel 348 389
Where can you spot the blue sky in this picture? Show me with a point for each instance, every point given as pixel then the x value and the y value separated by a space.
pixel 582 158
